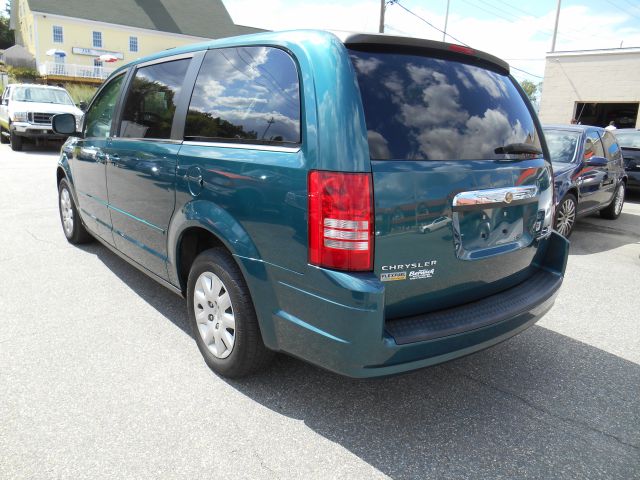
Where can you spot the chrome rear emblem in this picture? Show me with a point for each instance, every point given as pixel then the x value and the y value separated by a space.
pixel 508 197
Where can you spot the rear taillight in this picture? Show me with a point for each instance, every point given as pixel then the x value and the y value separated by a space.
pixel 341 220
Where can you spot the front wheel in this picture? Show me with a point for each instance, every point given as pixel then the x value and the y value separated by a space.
pixel 16 142
pixel 222 316
pixel 71 224
pixel 566 215
pixel 4 136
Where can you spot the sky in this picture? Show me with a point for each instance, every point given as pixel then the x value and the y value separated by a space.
pixel 517 31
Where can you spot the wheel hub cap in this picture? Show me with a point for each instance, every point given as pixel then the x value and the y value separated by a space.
pixel 214 314
pixel 66 211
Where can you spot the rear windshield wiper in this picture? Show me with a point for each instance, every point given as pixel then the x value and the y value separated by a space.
pixel 517 148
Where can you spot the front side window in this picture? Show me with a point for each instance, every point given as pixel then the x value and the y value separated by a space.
pixel 151 101
pixel 133 44
pixel 57 34
pixel 593 145
pixel 97 39
pixel 418 107
pixel 246 95
pixel 100 115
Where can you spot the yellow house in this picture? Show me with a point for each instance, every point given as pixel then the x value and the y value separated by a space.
pixel 67 38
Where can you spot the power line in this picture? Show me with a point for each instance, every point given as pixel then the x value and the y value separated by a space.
pixel 622 9
pixel 429 23
pixel 524 71
pixel 454 38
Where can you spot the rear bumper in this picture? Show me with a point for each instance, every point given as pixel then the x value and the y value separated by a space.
pixel 345 331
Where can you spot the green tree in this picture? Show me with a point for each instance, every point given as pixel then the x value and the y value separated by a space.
pixel 6 35
pixel 530 88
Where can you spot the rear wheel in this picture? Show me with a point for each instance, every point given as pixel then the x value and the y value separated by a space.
pixel 71 224
pixel 4 135
pixel 16 142
pixel 222 316
pixel 614 209
pixel 566 215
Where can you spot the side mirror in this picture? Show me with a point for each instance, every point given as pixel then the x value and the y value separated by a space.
pixel 597 162
pixel 5 101
pixel 64 124
pixel 83 106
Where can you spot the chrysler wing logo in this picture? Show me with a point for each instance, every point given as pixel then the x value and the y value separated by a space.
pixel 508 197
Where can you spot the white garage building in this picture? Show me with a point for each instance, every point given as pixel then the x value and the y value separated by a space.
pixel 593 87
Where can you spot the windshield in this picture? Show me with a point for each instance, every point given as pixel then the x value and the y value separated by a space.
pixel 629 139
pixel 562 144
pixel 423 108
pixel 42 95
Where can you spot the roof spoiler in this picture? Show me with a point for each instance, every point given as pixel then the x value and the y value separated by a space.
pixel 448 50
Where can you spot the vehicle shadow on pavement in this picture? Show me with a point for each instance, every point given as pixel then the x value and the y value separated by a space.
pixel 589 237
pixel 169 305
pixel 43 149
pixel 540 405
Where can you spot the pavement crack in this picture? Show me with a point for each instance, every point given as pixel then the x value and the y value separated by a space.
pixel 264 465
pixel 546 411
pixel 37 239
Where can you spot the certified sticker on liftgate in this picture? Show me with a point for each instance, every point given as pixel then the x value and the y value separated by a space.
pixel 393 276
pixel 420 274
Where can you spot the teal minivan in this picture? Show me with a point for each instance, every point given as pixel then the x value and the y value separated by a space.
pixel 368 203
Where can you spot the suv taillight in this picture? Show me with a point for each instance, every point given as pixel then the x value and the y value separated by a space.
pixel 341 220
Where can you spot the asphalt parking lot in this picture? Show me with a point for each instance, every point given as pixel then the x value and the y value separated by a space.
pixel 100 378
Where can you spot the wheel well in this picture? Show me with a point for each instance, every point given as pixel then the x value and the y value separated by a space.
pixel 573 191
pixel 59 175
pixel 193 242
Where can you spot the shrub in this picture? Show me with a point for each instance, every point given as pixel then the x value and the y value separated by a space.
pixel 80 93
pixel 23 74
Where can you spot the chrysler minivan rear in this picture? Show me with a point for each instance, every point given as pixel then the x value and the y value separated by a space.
pixel 445 245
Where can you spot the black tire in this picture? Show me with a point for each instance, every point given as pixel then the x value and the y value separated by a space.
pixel 614 209
pixel 566 215
pixel 248 354
pixel 78 233
pixel 16 142
pixel 3 138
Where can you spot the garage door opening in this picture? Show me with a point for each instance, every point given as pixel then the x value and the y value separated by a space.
pixel 624 115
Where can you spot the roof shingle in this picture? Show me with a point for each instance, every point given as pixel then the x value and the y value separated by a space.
pixel 198 18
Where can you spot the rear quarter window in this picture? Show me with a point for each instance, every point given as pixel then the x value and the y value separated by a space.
pixel 245 95
pixel 422 108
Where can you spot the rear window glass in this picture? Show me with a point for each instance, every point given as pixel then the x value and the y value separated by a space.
pixel 562 144
pixel 628 139
pixel 423 108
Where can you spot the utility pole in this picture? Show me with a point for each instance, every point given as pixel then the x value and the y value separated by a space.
pixel 555 29
pixel 381 27
pixel 446 21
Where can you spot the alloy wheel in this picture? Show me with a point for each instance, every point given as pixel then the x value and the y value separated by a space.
pixel 566 217
pixel 214 314
pixel 66 209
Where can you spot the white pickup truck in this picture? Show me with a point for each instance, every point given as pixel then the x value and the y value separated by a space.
pixel 26 111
